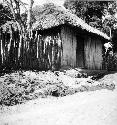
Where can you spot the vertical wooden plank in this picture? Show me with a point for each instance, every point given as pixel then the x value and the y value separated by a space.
pixel 98 54
pixel 64 50
pixel 69 47
pixel 37 49
pixel 2 49
pixel 74 41
pixel 87 52
pixel 0 46
pixel 93 53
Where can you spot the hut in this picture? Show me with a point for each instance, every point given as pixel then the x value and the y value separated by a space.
pixel 81 45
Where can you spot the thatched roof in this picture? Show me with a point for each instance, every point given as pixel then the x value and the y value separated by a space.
pixel 50 15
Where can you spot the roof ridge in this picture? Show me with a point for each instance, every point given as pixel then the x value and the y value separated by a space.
pixel 57 19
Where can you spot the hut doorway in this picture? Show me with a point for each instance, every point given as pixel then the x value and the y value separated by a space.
pixel 80 62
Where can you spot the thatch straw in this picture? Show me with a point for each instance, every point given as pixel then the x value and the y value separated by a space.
pixel 50 15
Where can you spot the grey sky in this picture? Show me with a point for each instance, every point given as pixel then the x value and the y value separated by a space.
pixel 40 2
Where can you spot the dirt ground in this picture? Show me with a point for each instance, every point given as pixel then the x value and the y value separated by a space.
pixel 86 108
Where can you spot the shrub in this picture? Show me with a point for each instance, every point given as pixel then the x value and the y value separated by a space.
pixel 110 61
pixel 17 88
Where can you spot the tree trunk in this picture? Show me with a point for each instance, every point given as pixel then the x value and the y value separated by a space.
pixel 29 15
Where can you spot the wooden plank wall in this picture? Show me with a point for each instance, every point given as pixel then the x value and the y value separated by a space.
pixel 53 50
pixel 93 53
pixel 41 52
pixel 69 47
pixel 47 51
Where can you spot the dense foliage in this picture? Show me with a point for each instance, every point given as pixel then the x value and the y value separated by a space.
pixel 5 14
pixel 20 86
pixel 99 14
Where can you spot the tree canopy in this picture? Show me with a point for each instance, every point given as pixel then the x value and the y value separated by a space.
pixel 5 14
pixel 99 14
pixel 12 11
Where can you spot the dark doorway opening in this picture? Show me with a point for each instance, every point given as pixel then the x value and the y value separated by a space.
pixel 80 61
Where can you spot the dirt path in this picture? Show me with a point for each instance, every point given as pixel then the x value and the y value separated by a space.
pixel 87 108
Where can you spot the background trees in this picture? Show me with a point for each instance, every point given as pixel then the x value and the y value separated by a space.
pixel 12 11
pixel 99 14
pixel 5 14
pixel 15 34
